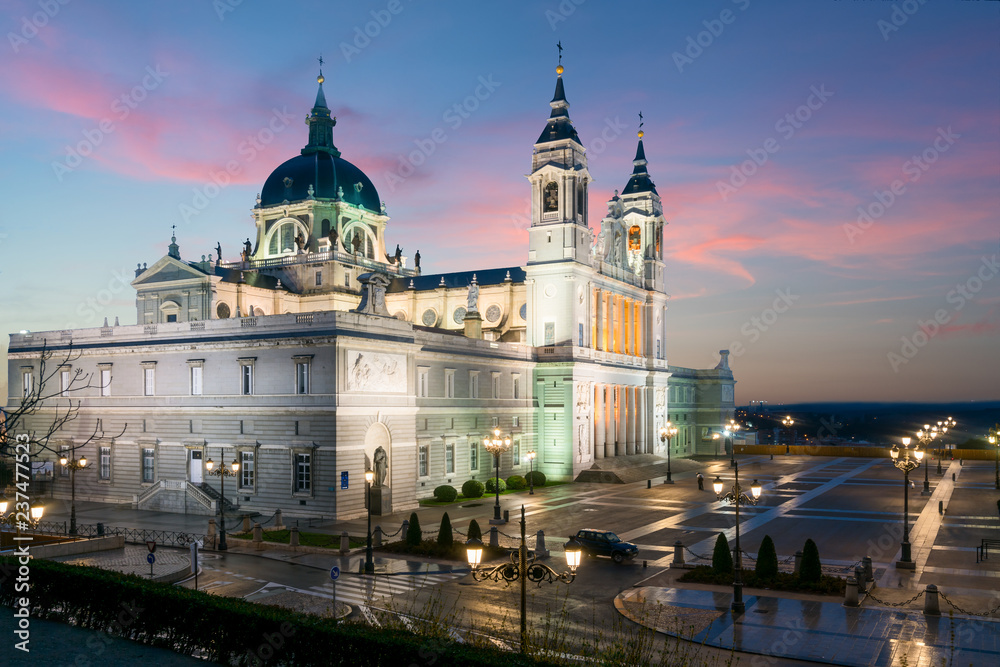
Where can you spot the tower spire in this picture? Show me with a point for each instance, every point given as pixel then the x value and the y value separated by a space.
pixel 320 122
pixel 640 180
pixel 559 125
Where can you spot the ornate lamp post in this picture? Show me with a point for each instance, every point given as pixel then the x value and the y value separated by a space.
pixel 73 465
pixel 737 497
pixel 994 439
pixel 948 423
pixel 926 436
pixel 531 469
pixel 496 446
pixel 731 428
pixel 667 432
pixel 520 568
pixel 222 472
pixel 19 518
pixel 369 563
pixel 906 464
pixel 787 422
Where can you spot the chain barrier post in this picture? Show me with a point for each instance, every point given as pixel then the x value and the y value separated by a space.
pixel 851 593
pixel 932 607
pixel 494 537
pixel 678 555
pixel 866 562
pixel 377 537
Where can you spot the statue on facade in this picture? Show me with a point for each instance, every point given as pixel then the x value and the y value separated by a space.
pixel 218 253
pixel 356 241
pixel 398 257
pixel 247 250
pixel 381 467
pixel 300 241
pixel 333 239
pixel 416 260
pixel 472 301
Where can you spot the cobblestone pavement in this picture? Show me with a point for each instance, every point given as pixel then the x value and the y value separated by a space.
pixel 132 560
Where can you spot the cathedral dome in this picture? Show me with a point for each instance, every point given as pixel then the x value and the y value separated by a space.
pixel 330 176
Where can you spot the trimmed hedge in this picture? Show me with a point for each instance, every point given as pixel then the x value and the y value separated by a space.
pixel 446 493
pixel 767 560
pixel 445 538
pixel 491 485
pixel 811 568
pixel 722 557
pixel 537 477
pixel 413 534
pixel 784 581
pixel 239 632
pixel 516 483
pixel 473 489
pixel 474 530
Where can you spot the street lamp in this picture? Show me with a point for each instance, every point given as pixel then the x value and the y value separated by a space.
pixel 520 568
pixel 222 472
pixel 788 421
pixel 73 465
pixel 731 428
pixel 19 518
pixel 737 497
pixel 994 439
pixel 369 563
pixel 531 470
pixel 926 436
pixel 667 432
pixel 948 423
pixel 906 464
pixel 496 446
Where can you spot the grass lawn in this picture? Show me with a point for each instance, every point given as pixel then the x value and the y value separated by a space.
pixel 305 539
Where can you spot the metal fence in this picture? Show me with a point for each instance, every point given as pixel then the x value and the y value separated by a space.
pixel 166 538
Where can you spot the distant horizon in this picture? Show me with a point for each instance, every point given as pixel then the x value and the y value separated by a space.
pixel 831 210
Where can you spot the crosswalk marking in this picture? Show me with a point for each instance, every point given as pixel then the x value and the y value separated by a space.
pixel 360 590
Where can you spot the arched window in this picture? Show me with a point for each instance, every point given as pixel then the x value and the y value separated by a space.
pixel 282 239
pixel 635 238
pixel 550 197
pixel 325 227
pixel 579 200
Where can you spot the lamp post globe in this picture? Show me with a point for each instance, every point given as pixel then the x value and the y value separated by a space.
pixel 731 429
pixel 787 422
pixel 73 465
pixel 222 472
pixel 667 433
pixel 531 472
pixel 496 446
pixel 906 459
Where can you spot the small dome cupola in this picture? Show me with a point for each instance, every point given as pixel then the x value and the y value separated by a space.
pixel 320 124
pixel 559 126
pixel 640 180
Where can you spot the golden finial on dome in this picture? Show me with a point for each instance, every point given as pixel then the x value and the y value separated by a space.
pixel 320 79
pixel 641 133
pixel 559 70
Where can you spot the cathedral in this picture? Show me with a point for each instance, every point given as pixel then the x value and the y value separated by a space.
pixel 320 353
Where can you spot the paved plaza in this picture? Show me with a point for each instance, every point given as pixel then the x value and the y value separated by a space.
pixel 851 507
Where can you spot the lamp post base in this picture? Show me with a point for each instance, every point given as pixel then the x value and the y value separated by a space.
pixel 738 606
pixel 905 562
pixel 497 520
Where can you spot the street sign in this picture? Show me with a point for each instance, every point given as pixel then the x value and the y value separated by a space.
pixel 343 480
pixel 150 558
pixel 334 572
pixel 151 545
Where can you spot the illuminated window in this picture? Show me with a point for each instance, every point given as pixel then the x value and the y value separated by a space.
pixel 550 197
pixel 634 238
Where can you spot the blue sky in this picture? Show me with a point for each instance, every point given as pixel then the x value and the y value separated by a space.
pixel 830 171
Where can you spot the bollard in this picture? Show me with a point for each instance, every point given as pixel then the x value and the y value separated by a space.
pixel 798 561
pixel 277 520
pixel 866 562
pixel 953 477
pixel 506 516
pixel 940 507
pixel 540 550
pixel 494 537
pixel 246 523
pixel 212 535
pixel 377 538
pixel 851 593
pixel 678 554
pixel 293 537
pixel 859 576
pixel 932 607
pixel 644 564
pixel 649 483
pixel 345 543
pixel 258 536
pixel 404 530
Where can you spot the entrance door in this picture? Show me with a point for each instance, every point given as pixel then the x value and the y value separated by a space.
pixel 195 466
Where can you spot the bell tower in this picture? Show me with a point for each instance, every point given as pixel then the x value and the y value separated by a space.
pixel 643 223
pixel 559 180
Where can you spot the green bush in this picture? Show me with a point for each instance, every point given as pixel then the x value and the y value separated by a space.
pixel 784 581
pixel 491 485
pixel 473 489
pixel 413 534
pixel 536 478
pixel 474 531
pixel 722 557
pixel 516 483
pixel 445 493
pixel 445 538
pixel 811 569
pixel 767 560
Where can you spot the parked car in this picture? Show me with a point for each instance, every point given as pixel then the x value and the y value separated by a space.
pixel 605 543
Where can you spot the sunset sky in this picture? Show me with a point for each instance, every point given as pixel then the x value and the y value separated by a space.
pixel 830 171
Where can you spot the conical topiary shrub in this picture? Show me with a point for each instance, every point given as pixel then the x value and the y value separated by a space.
pixel 767 560
pixel 445 538
pixel 811 569
pixel 474 531
pixel 413 534
pixel 722 557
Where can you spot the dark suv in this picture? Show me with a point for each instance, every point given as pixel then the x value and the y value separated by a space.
pixel 605 543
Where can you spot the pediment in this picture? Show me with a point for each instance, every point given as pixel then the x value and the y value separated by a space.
pixel 168 270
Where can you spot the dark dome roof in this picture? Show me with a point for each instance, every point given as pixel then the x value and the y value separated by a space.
pixel 325 173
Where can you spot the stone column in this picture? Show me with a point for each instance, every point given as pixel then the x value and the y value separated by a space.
pixel 627 328
pixel 598 343
pixel 610 426
pixel 599 428
pixel 611 322
pixel 630 421
pixel 622 421
pixel 641 413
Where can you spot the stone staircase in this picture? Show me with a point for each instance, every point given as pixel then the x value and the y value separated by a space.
pixel 169 495
pixel 636 468
pixel 209 491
